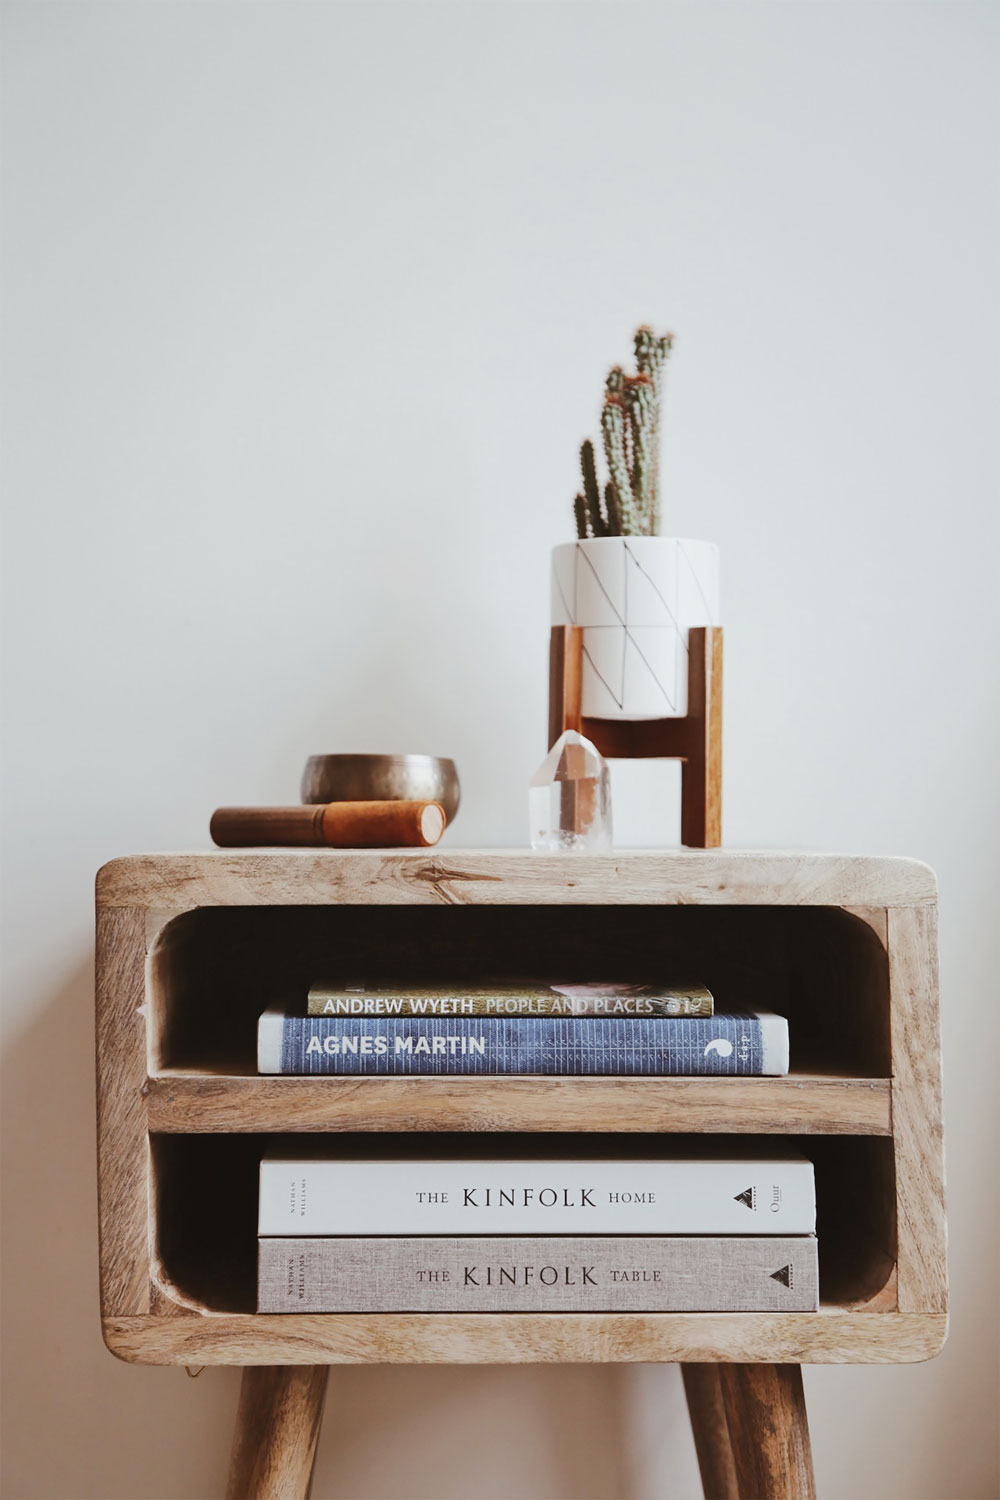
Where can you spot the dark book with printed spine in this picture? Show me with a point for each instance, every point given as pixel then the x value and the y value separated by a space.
pixel 753 1043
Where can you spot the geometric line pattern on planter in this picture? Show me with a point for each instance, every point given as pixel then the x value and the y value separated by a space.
pixel 709 613
pixel 628 636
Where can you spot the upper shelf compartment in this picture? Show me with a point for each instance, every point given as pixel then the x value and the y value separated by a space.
pixel 213 970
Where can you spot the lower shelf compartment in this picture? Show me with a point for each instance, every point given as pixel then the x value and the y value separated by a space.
pixel 205 1215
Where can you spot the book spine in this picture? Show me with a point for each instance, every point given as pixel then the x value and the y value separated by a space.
pixel 706 1274
pixel 344 1003
pixel 655 1046
pixel 645 1197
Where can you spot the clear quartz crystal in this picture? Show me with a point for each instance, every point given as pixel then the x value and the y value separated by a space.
pixel 569 798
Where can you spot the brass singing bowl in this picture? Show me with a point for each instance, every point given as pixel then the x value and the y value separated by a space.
pixel 382 778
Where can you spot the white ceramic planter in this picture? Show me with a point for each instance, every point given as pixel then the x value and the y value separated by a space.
pixel 636 598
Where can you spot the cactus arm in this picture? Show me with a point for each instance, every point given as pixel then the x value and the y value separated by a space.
pixel 615 383
pixel 651 354
pixel 614 512
pixel 592 494
pixel 613 428
pixel 641 415
pixel 614 390
pixel 630 428
pixel 664 346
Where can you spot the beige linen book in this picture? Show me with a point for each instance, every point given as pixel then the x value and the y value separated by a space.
pixel 774 1273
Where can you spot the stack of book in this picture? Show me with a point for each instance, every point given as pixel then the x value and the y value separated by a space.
pixel 652 1233
pixel 721 1232
pixel 629 1029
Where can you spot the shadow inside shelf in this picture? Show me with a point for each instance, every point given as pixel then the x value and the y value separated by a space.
pixel 215 969
pixel 206 1203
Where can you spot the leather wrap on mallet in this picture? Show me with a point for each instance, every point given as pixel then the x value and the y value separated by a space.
pixel 337 825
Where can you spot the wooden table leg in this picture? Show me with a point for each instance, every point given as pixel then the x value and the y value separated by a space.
pixel 277 1428
pixel 766 1415
pixel 711 1432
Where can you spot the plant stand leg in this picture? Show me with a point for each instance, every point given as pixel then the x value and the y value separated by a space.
pixel 695 739
pixel 277 1428
pixel 701 771
pixel 565 679
pixel 766 1415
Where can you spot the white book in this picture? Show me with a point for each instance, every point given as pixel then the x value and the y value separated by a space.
pixel 690 1195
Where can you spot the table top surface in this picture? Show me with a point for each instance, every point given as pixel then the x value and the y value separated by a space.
pixel 455 875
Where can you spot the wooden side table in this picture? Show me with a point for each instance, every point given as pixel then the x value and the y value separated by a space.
pixel 190 949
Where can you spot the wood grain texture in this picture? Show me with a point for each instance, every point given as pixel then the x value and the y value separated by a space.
pixel 306 877
pixel 565 679
pixel 768 1431
pixel 798 1104
pixel 122 1151
pixel 701 776
pixel 713 738
pixel 875 917
pixel 640 739
pixel 826 1337
pixel 277 1429
pixel 336 825
pixel 710 1431
pixel 916 1108
pixel 194 1107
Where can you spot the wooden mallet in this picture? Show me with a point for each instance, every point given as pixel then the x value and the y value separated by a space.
pixel 337 825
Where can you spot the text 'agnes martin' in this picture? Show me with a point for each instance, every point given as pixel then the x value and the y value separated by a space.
pixel 378 1046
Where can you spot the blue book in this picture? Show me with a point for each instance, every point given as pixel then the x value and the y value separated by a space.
pixel 751 1043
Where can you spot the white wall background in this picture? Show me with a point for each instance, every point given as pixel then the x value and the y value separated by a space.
pixel 307 308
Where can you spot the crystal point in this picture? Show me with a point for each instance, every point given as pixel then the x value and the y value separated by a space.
pixel 569 798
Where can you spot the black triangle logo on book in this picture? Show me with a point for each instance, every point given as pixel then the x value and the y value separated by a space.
pixel 748 1198
pixel 784 1275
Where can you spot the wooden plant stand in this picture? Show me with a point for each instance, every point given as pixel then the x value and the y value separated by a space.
pixel 190 949
pixel 695 740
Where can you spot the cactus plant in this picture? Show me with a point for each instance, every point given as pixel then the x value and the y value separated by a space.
pixel 630 428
